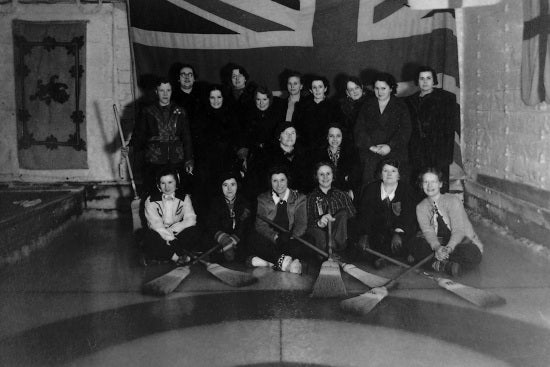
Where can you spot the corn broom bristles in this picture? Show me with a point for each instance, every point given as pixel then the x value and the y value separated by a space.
pixel 166 283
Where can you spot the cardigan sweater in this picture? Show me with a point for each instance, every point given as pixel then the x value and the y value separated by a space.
pixel 296 209
pixel 451 209
pixel 176 214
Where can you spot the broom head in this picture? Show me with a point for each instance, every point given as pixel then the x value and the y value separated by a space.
pixel 329 282
pixel 166 283
pixel 364 277
pixel 231 277
pixel 478 297
pixel 364 303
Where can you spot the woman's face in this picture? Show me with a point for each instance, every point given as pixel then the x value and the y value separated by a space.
pixel 325 177
pixel 216 99
pixel 334 137
pixel 288 137
pixel 229 188
pixel 318 90
pixel 354 91
pixel 279 183
pixel 168 184
pixel 237 79
pixel 426 81
pixel 431 184
pixel 294 85
pixel 390 174
pixel 382 90
pixel 262 101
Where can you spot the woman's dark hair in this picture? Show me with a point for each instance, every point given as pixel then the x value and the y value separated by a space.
pixel 275 170
pixel 354 80
pixel 227 72
pixel 313 78
pixel 388 79
pixel 230 174
pixel 386 161
pixel 168 171
pixel 264 90
pixel 433 170
pixel 423 69
pixel 195 75
pixel 295 74
pixel 162 80
pixel 321 164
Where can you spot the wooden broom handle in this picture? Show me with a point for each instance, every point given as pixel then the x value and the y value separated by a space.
pixel 410 268
pixel 123 142
pixel 275 225
pixel 329 243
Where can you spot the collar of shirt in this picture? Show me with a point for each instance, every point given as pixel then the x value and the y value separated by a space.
pixel 384 194
pixel 276 197
pixel 168 197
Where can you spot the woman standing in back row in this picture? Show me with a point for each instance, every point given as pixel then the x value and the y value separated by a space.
pixel 383 128
pixel 434 115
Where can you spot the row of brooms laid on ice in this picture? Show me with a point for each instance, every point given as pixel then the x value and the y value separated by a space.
pixel 329 282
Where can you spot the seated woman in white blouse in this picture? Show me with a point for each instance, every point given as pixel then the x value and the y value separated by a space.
pixel 171 220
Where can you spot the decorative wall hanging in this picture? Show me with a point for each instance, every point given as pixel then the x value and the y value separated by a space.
pixel 50 65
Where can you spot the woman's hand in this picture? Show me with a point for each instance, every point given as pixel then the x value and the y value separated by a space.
pixel 396 243
pixel 166 234
pixel 323 221
pixel 383 149
pixel 442 253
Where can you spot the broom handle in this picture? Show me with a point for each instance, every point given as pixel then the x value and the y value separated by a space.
pixel 197 259
pixel 329 224
pixel 397 262
pixel 123 142
pixel 410 268
pixel 273 224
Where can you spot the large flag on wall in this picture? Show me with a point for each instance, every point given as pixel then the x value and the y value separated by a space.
pixel 327 37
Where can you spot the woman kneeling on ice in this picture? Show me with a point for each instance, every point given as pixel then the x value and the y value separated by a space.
pixel 287 208
pixel 171 220
pixel 446 229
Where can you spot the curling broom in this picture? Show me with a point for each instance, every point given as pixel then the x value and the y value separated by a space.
pixel 135 204
pixel 166 283
pixel 329 282
pixel 478 297
pixel 228 276
pixel 365 302
pixel 369 279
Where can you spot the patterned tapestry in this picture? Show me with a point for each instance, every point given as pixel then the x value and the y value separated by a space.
pixel 50 94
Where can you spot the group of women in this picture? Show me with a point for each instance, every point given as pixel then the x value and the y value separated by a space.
pixel 329 172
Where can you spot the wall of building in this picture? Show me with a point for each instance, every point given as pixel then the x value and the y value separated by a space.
pixel 505 144
pixel 108 81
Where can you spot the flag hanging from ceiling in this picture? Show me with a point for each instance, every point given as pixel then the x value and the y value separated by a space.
pixel 535 63
pixel 327 37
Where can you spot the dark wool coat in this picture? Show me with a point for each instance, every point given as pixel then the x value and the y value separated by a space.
pixel 379 222
pixel 215 135
pixel 298 163
pixel 163 140
pixel 258 127
pixel 350 109
pixel 433 119
pixel 189 101
pixel 393 127
pixel 311 120
pixel 219 218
